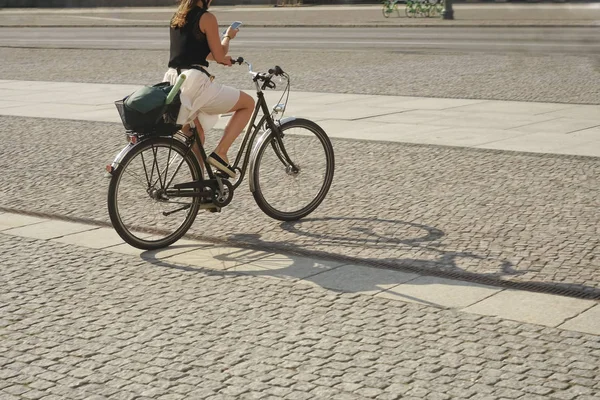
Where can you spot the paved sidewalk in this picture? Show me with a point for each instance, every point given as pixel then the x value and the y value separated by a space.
pixel 85 316
pixel 527 307
pixel 502 125
pixel 82 323
pixel 492 15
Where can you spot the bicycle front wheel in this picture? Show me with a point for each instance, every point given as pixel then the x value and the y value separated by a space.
pixel 139 207
pixel 386 11
pixel 290 191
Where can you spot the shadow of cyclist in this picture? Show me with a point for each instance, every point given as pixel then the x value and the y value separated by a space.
pixel 425 255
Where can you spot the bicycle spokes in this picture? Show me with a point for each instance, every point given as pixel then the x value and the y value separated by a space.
pixel 293 172
pixel 139 198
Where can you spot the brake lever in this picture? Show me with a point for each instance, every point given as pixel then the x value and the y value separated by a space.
pixel 269 84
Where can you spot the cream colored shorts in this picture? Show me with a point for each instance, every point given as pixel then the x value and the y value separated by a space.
pixel 202 98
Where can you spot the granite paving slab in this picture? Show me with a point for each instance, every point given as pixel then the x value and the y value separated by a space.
pixel 538 308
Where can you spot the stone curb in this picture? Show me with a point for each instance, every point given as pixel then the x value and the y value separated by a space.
pixel 533 308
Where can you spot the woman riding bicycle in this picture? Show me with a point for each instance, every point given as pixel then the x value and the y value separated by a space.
pixel 195 40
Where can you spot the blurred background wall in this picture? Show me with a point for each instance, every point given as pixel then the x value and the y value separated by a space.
pixel 158 3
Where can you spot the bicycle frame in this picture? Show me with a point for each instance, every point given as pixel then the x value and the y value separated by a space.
pixel 252 132
pixel 244 157
pixel 245 153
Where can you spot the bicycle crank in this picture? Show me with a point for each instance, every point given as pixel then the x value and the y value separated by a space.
pixel 226 194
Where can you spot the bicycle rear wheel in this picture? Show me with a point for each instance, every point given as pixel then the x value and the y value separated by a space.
pixel 285 193
pixel 138 205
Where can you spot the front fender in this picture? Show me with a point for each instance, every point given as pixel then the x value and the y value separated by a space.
pixel 257 146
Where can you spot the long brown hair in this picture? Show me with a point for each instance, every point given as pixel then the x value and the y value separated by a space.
pixel 185 6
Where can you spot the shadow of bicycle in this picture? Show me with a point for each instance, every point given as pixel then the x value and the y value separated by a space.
pixel 380 238
pixel 410 247
pixel 322 245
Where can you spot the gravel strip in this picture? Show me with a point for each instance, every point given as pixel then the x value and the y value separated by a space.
pixel 523 77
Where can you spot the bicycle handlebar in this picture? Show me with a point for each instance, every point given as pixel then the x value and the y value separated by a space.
pixel 264 77
pixel 276 71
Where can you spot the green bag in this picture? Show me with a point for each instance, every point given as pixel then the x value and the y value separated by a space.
pixel 145 110
pixel 148 98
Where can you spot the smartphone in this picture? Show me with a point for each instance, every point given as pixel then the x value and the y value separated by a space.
pixel 234 25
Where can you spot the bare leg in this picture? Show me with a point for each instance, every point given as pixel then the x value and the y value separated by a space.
pixel 187 131
pixel 200 132
pixel 242 112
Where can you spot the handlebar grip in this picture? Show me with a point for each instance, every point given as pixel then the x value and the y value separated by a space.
pixel 276 71
pixel 239 60
pixel 175 89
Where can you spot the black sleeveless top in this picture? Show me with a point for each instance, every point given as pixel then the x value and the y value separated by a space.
pixel 189 45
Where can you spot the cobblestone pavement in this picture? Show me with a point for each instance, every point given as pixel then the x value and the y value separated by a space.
pixel 526 77
pixel 501 215
pixel 87 324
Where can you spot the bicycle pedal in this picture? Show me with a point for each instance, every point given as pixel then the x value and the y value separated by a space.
pixel 221 174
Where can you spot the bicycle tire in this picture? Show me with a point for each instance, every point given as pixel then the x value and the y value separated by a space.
pixel 386 12
pixel 129 233
pixel 259 196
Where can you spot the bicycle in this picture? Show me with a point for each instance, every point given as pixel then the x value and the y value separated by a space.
pixel 410 8
pixel 292 3
pixel 390 6
pixel 435 8
pixel 421 8
pixel 151 209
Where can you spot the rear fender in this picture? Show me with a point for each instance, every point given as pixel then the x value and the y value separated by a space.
pixel 111 168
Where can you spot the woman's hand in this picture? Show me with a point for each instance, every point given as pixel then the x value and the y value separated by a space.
pixel 231 32
pixel 227 61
